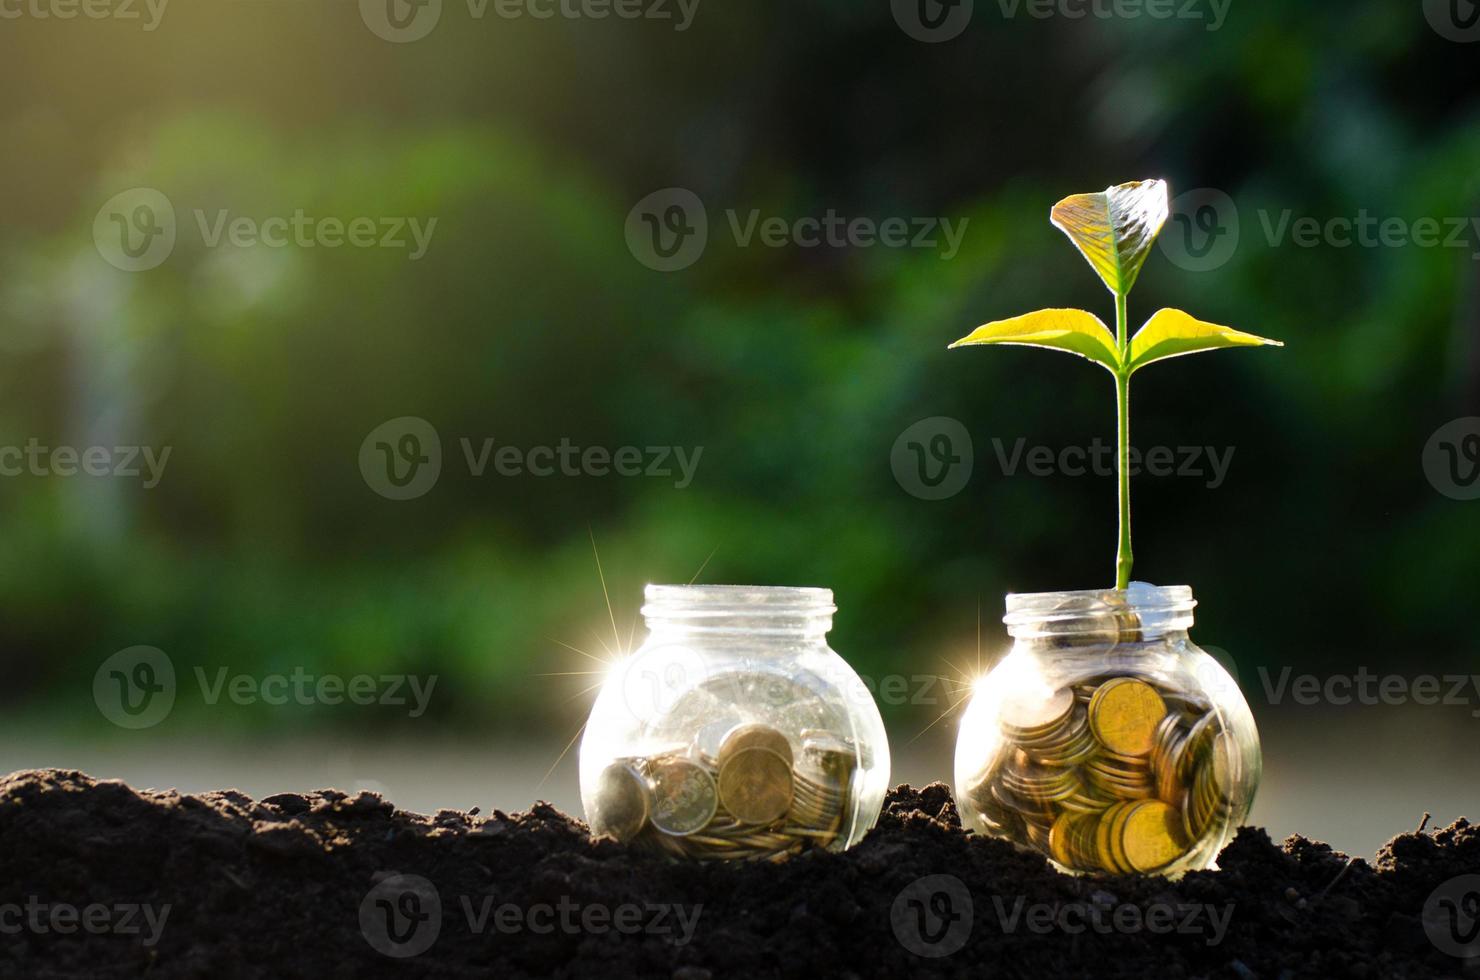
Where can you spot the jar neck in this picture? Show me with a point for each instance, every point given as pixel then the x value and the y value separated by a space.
pixel 1141 612
pixel 722 611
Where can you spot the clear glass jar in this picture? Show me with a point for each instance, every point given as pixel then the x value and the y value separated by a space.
pixel 734 732
pixel 1106 740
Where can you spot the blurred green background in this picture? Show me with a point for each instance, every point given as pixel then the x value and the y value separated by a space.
pixel 530 320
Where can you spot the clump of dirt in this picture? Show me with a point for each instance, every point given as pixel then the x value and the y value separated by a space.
pixel 100 880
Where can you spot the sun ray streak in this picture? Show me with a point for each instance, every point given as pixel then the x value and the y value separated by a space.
pixel 958 682
pixel 588 656
pixel 583 692
pixel 611 655
pixel 941 717
pixel 703 566
pixel 563 752
pixel 611 614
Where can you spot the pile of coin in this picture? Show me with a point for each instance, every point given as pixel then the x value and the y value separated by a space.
pixel 752 800
pixel 1116 772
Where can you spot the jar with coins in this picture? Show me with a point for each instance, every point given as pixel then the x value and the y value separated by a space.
pixel 1105 739
pixel 734 732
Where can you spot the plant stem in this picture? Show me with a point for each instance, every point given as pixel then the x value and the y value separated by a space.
pixel 1124 557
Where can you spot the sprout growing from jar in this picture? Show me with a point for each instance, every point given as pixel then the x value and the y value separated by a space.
pixel 1114 231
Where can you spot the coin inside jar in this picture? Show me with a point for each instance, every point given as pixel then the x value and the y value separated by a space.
pixel 1124 715
pixel 1151 836
pixel 1034 713
pixel 621 801
pixel 754 736
pixel 755 785
pixel 1059 834
pixel 684 797
pixel 1223 758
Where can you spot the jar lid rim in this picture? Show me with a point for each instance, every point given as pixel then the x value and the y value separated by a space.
pixel 1037 607
pixel 741 599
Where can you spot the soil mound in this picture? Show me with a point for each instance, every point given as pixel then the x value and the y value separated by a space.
pixel 101 880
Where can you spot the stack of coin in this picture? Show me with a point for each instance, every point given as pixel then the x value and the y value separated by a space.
pixel 1211 793
pixel 1139 837
pixel 1037 790
pixel 752 800
pixel 1113 624
pixel 1117 772
pixel 1120 777
pixel 822 782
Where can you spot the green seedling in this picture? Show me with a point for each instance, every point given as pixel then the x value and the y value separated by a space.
pixel 1114 231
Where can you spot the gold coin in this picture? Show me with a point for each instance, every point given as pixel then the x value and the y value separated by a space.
pixel 1191 831
pixel 684 797
pixel 840 747
pixel 1124 715
pixel 1129 626
pixel 756 786
pixel 622 801
pixel 720 843
pixel 1068 743
pixel 826 745
pixel 1059 836
pixel 814 808
pixel 1151 837
pixel 1038 836
pixel 1082 844
pixel 1188 704
pixel 726 827
pixel 1166 759
pixel 1222 764
pixel 1117 778
pixel 1028 713
pixel 1207 802
pixel 1118 836
pixel 673 846
pixel 1168 788
pixel 754 736
pixel 1104 854
pixel 1199 740
pixel 1085 804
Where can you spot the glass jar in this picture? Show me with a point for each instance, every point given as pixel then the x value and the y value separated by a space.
pixel 734 732
pixel 1106 740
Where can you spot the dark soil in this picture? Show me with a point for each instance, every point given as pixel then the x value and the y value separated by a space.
pixel 275 888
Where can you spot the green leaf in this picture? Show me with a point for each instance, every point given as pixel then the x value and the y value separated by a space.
pixel 1172 333
pixel 1074 331
pixel 1115 230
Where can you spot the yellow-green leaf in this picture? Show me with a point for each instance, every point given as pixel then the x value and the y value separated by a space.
pixel 1172 333
pixel 1115 230
pixel 1074 331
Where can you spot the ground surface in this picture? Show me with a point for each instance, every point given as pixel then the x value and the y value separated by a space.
pixel 100 880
